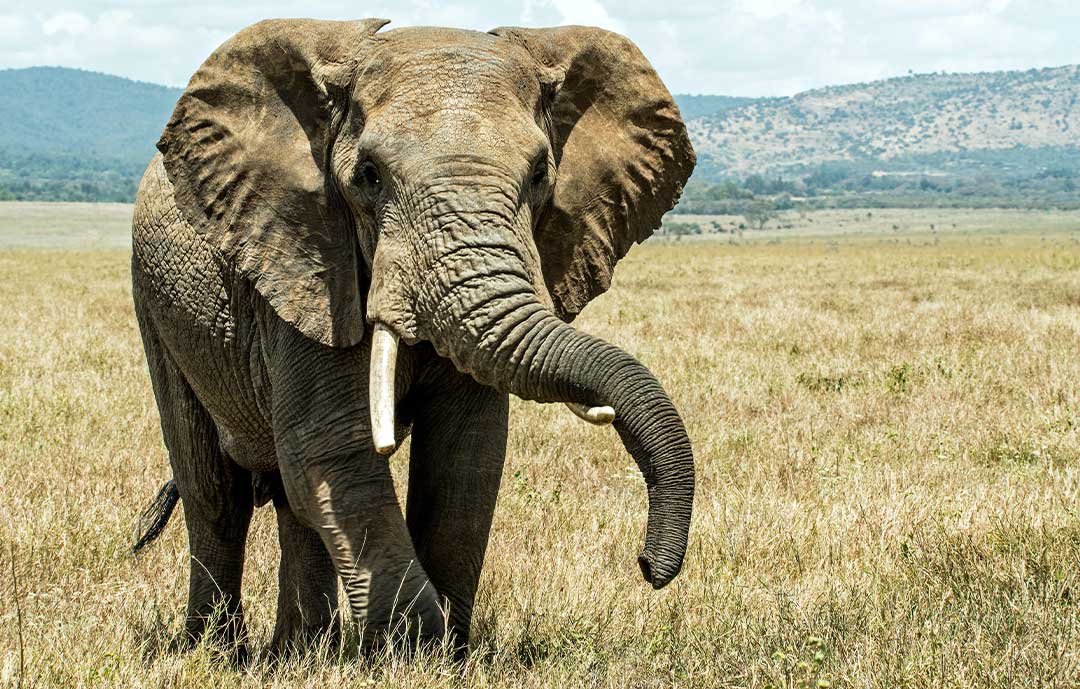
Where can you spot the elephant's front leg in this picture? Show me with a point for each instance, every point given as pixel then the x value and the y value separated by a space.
pixel 337 485
pixel 458 450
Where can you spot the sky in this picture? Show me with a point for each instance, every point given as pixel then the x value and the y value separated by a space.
pixel 729 47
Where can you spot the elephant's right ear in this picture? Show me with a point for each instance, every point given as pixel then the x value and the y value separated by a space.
pixel 247 151
pixel 622 153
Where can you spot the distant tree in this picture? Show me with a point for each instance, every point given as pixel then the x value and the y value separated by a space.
pixel 759 213
pixel 726 190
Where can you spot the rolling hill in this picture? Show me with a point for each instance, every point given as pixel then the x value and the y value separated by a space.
pixel 60 110
pixel 83 136
pixel 704 105
pixel 938 122
pixel 73 135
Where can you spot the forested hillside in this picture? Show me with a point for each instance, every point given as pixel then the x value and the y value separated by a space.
pixel 945 140
pixel 72 135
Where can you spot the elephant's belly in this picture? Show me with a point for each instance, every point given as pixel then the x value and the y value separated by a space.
pixel 223 369
pixel 254 453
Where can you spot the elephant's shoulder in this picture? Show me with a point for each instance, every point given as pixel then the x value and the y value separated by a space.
pixel 155 213
pixel 177 265
pixel 157 223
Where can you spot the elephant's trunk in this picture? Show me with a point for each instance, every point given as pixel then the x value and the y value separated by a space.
pixel 486 317
pixel 571 366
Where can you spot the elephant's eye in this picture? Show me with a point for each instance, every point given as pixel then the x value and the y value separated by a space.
pixel 540 172
pixel 368 174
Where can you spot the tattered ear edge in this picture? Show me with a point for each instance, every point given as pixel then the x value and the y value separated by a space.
pixel 623 156
pixel 274 218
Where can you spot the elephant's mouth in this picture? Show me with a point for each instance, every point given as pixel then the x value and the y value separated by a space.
pixel 381 402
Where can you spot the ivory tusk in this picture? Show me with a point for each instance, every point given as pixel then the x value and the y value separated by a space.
pixel 599 416
pixel 384 346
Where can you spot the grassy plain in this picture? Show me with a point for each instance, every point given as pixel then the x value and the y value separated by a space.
pixel 887 430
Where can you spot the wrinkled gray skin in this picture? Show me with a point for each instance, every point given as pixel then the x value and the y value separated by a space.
pixel 472 192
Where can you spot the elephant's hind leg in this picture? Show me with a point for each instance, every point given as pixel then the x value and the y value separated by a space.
pixel 217 499
pixel 307 586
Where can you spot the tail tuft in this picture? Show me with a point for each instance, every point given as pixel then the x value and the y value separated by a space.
pixel 156 516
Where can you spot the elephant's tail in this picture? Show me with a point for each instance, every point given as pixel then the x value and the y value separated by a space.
pixel 156 516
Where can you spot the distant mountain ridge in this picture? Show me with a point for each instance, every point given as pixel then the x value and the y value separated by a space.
pixel 56 109
pixel 68 134
pixel 691 106
pixel 947 116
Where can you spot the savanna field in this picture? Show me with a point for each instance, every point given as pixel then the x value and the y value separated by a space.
pixel 886 420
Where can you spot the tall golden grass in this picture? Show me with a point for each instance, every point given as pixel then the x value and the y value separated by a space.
pixel 887 430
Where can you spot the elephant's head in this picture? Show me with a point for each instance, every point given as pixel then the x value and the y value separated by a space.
pixel 470 190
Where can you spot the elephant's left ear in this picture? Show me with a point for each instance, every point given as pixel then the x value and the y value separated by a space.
pixel 248 153
pixel 622 152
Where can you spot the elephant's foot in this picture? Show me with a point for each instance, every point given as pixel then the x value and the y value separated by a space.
pixel 419 626
pixel 294 635
pixel 458 637
pixel 237 654
pixel 227 635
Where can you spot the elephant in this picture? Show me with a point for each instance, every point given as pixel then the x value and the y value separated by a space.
pixel 348 236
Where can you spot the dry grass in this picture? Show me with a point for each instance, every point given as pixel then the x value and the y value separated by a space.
pixel 889 468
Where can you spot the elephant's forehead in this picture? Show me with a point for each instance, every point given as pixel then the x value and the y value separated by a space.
pixel 440 90
pixel 418 69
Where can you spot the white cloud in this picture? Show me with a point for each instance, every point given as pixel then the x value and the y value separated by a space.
pixel 586 13
pixel 71 23
pixel 767 9
pixel 743 47
pixel 12 27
